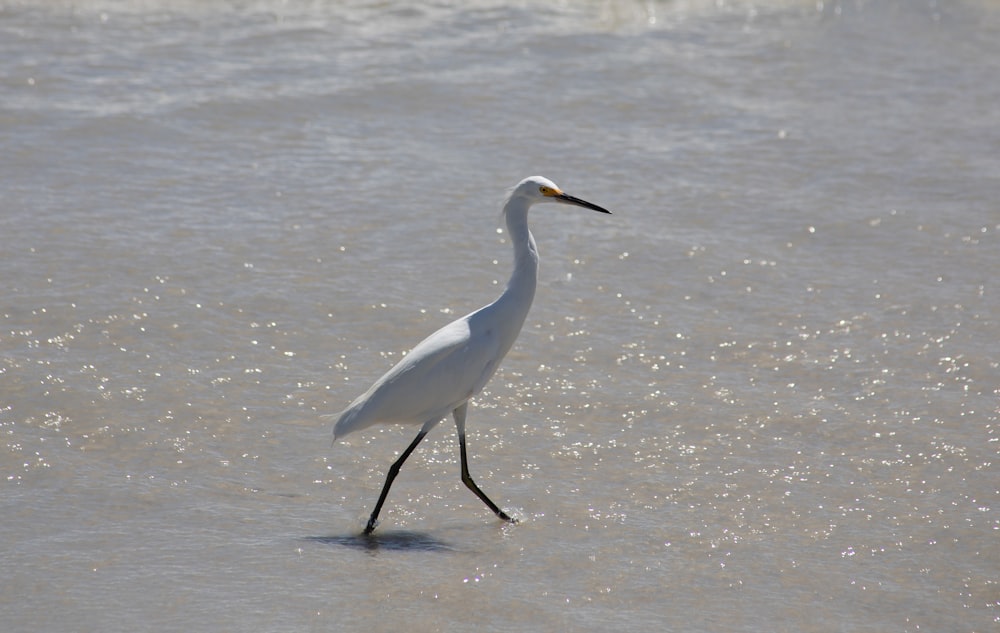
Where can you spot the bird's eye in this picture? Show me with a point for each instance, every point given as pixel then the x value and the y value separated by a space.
pixel 544 190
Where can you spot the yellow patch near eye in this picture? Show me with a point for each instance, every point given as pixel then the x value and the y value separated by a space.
pixel 549 191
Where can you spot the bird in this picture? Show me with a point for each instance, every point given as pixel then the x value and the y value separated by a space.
pixel 444 371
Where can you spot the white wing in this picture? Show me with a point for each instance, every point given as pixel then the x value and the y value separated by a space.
pixel 439 374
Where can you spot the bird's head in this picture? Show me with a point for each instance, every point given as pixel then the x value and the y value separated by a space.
pixel 538 189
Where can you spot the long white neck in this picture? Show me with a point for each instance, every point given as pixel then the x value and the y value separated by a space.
pixel 520 289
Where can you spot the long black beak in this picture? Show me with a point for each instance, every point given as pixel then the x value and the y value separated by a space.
pixel 568 199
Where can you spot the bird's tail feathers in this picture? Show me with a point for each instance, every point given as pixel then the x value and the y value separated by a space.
pixel 347 421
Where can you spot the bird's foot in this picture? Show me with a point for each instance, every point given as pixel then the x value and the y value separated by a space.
pixel 506 517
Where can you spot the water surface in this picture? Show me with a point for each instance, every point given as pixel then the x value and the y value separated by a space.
pixel 763 395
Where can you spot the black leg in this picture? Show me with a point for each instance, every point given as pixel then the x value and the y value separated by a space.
pixel 459 415
pixel 393 471
pixel 471 485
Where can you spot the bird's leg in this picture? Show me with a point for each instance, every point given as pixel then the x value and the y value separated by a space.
pixel 471 485
pixel 393 471
pixel 459 415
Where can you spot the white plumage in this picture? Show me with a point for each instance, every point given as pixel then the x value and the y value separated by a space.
pixel 446 369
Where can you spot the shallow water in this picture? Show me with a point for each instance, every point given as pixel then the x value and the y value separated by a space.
pixel 763 395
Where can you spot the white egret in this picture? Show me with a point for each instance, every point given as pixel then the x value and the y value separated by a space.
pixel 450 366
